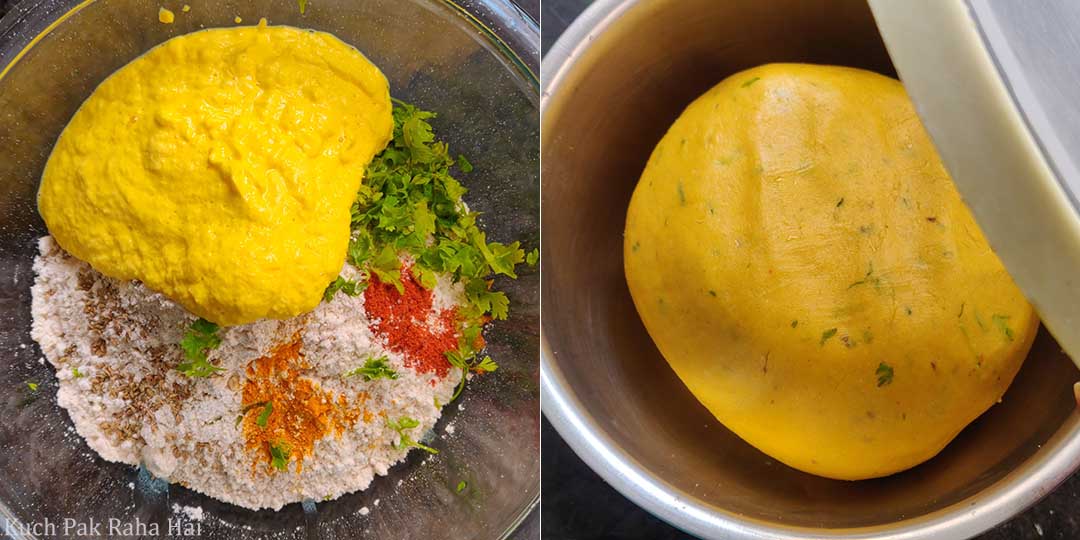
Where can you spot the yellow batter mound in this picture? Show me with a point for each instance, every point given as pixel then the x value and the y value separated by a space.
pixel 219 169
pixel 804 263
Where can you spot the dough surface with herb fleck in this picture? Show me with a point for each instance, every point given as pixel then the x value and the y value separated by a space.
pixel 804 263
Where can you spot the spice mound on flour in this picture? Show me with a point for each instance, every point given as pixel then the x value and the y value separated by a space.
pixel 285 419
pixel 278 411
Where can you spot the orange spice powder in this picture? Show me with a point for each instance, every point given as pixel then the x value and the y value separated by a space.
pixel 400 318
pixel 301 411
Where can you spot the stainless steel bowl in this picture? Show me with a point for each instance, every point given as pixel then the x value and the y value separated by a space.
pixel 611 87
pixel 471 61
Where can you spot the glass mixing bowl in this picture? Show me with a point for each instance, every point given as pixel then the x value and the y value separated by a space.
pixel 474 63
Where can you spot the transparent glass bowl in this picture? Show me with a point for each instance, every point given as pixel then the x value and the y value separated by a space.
pixel 474 63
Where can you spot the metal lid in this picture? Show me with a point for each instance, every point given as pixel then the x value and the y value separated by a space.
pixel 997 85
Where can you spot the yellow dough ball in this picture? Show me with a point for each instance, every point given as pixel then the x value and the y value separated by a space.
pixel 804 263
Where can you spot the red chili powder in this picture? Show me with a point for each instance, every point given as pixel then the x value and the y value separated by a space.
pixel 402 319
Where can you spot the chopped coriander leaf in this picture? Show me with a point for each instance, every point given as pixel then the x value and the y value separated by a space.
pixel 33 386
pixel 464 164
pixel 203 326
pixel 826 335
pixel 480 296
pixel 461 486
pixel 1002 322
pixel 360 249
pixel 405 441
pixel 387 266
pixel 374 368
pixel 501 258
pixel 486 365
pixel 279 455
pixel 751 81
pixel 533 256
pixel 884 374
pixel 264 416
pixel 351 288
pixel 404 422
pixel 303 6
pixel 410 206
pixel 466 360
pixel 425 276
pixel 198 340
pixel 76 373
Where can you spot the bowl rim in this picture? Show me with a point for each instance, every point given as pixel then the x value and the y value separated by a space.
pixel 512 30
pixel 1020 488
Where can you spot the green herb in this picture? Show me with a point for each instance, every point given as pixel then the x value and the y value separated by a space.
pixel 31 395
pixel 264 416
pixel 303 6
pixel 465 359
pixel 486 365
pixel 867 278
pixel 406 441
pixel 840 202
pixel 387 267
pixel 682 195
pixel 409 203
pixel 794 323
pixel 198 340
pixel 374 368
pixel 884 374
pixel 461 486
pixel 533 257
pixel 751 81
pixel 351 288
pixel 712 293
pixel 76 374
pixel 248 408
pixel 826 335
pixel 279 455
pixel 1002 322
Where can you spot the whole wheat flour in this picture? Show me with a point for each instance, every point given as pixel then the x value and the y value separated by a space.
pixel 115 346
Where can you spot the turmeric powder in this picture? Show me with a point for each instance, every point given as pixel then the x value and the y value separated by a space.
pixel 283 410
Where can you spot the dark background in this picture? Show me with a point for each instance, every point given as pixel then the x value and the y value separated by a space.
pixel 578 505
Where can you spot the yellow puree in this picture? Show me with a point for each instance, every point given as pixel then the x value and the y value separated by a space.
pixel 803 261
pixel 219 169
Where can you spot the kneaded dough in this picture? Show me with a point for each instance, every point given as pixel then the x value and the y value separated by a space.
pixel 803 261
